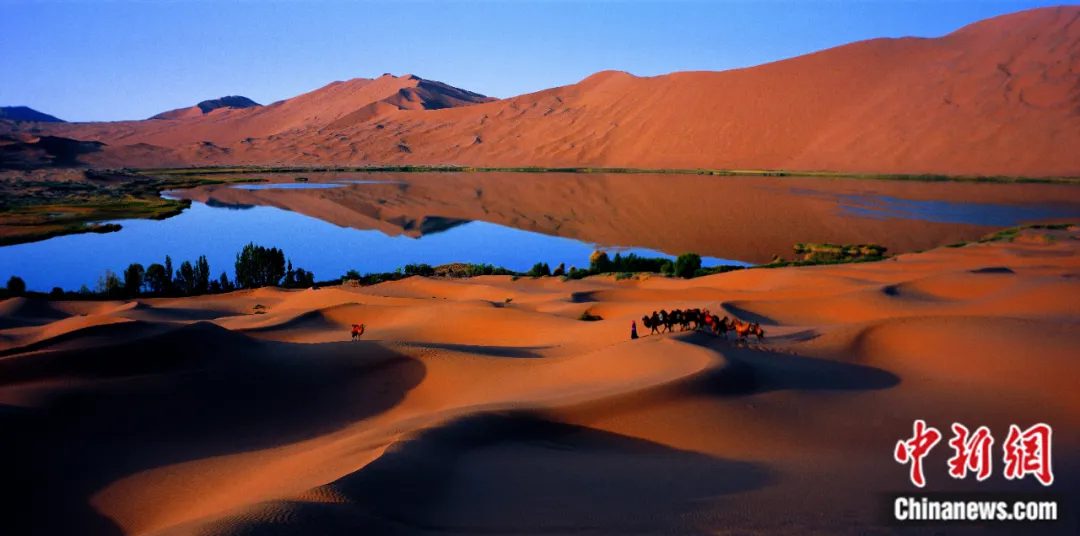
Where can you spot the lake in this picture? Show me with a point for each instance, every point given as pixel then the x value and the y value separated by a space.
pixel 381 221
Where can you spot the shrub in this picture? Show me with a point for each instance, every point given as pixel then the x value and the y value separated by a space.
pixel 687 264
pixel 539 269
pixel 109 284
pixel 419 269
pixel 586 316
pixel 599 262
pixel 830 253
pixel 16 286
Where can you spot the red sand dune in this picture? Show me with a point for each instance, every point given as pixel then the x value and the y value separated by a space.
pixel 484 406
pixel 1001 96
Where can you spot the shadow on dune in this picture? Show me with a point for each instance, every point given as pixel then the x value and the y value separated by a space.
pixel 488 350
pixel 746 315
pixel 516 473
pixel 747 371
pixel 756 369
pixel 190 393
pixel 585 296
pixel 89 336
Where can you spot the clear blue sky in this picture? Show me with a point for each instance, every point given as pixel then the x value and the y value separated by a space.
pixel 108 60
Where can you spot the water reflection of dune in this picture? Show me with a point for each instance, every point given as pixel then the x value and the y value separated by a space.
pixel 733 217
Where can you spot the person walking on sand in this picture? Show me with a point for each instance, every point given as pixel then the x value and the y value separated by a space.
pixel 633 329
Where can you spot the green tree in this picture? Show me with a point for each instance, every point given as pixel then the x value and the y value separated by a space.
pixel 599 262
pixel 224 283
pixel 687 264
pixel 258 266
pixel 667 267
pixel 539 269
pixel 156 279
pixel 202 276
pixel 110 285
pixel 16 286
pixel 419 269
pixel 169 272
pixel 134 276
pixel 304 278
pixel 184 282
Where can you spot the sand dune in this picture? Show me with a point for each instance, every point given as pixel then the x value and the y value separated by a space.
pixel 462 412
pixel 997 97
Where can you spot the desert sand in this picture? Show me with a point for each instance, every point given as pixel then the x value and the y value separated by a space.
pixel 998 97
pixel 486 406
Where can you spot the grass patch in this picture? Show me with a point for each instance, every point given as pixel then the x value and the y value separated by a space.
pixel 34 209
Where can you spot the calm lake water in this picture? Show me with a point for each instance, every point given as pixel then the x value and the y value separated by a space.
pixel 327 249
pixel 379 222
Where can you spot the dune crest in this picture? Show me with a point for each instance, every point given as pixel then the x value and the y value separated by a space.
pixel 998 97
pixel 192 415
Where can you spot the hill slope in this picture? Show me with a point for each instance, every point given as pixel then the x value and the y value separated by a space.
pixel 25 113
pixel 1001 96
pixel 231 102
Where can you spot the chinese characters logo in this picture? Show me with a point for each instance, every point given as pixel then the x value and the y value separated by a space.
pixel 1025 452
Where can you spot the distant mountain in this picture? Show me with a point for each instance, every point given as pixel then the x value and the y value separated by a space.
pixel 232 102
pixel 25 113
pixel 998 97
pixel 336 105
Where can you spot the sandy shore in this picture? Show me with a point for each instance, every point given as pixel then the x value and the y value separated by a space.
pixel 485 406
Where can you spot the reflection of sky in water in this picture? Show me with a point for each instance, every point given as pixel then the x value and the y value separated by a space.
pixel 324 248
pixel 882 207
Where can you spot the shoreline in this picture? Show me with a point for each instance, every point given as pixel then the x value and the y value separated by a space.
pixel 919 177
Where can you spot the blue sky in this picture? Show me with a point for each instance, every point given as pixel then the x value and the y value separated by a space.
pixel 110 60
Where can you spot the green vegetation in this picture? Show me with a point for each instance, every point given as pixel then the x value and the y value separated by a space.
pixel 37 207
pixel 540 169
pixel 810 254
pixel 16 286
pixel 256 266
pixel 1010 233
pixel 540 269
pixel 687 264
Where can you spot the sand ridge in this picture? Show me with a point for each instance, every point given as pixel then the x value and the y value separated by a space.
pixel 997 97
pixel 194 415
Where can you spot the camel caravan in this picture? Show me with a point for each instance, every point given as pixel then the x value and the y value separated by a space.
pixel 699 319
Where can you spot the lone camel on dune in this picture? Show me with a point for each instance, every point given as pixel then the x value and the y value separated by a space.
pixel 357 331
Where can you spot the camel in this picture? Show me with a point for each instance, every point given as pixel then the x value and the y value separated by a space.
pixel 651 322
pixel 720 326
pixel 667 319
pixel 357 331
pixel 743 329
